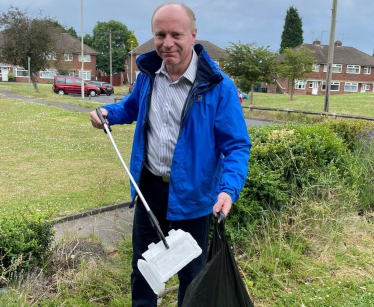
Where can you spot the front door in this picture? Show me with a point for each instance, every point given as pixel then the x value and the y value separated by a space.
pixel 315 88
pixel 4 73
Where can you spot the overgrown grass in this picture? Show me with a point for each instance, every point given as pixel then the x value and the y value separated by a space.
pixel 355 103
pixel 54 158
pixel 46 93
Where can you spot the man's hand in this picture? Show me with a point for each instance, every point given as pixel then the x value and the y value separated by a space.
pixel 224 203
pixel 95 120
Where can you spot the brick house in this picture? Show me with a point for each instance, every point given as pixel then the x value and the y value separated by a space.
pixel 69 64
pixel 214 52
pixel 352 72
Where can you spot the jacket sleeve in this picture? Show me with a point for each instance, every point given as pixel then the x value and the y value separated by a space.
pixel 233 140
pixel 126 111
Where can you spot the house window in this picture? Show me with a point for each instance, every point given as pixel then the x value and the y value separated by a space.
pixel 86 57
pixel 353 69
pixel 47 74
pixel 86 75
pixel 334 86
pixel 315 68
pixel 367 70
pixel 336 68
pixel 51 57
pixel 310 84
pixel 68 57
pixel 366 86
pixel 300 85
pixel 350 87
pixel 20 72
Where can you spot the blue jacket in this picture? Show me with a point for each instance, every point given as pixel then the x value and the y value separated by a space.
pixel 212 126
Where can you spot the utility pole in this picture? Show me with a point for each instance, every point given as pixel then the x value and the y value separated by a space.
pixel 110 56
pixel 330 58
pixel 82 85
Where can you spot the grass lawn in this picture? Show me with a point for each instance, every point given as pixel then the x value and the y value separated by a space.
pixel 54 158
pixel 355 104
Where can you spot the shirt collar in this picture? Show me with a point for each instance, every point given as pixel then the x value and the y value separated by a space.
pixel 189 74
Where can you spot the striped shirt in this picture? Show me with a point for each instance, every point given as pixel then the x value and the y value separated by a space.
pixel 168 99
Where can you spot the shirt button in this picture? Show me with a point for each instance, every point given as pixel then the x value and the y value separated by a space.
pixel 166 105
pixel 164 124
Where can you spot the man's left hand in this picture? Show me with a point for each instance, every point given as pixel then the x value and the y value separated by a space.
pixel 224 203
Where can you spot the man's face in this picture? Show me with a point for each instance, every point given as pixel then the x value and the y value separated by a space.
pixel 173 38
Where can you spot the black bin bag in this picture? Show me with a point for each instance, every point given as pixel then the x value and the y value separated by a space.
pixel 219 283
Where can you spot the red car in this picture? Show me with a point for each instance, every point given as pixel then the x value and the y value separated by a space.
pixel 72 85
pixel 240 97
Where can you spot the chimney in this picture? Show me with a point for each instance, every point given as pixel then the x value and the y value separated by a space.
pixel 317 42
pixel 338 44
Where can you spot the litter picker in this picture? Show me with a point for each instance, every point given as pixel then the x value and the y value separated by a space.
pixel 172 253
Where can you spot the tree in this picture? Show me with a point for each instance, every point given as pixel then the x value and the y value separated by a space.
pixel 292 34
pixel 296 65
pixel 64 29
pixel 99 41
pixel 249 64
pixel 134 42
pixel 25 37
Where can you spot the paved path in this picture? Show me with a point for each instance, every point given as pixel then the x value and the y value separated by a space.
pixel 109 223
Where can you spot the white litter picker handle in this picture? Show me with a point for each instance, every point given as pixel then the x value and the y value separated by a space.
pixel 151 216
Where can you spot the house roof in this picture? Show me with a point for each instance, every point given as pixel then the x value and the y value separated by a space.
pixel 342 55
pixel 214 51
pixel 70 44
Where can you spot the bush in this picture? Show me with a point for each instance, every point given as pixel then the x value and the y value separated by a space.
pixel 25 240
pixel 10 76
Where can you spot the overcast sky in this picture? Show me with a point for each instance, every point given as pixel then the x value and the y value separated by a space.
pixel 222 21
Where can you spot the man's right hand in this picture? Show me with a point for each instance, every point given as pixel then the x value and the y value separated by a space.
pixel 95 120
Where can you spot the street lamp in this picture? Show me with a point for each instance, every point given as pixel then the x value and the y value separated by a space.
pixel 131 63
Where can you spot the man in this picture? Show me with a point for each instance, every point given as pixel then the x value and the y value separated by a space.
pixel 188 117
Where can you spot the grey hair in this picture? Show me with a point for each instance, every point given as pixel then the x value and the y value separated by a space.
pixel 189 12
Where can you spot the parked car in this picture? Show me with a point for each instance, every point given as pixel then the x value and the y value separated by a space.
pixel 244 95
pixel 105 87
pixel 73 85
pixel 131 86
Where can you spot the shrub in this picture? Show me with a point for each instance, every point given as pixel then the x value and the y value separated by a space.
pixel 10 76
pixel 25 240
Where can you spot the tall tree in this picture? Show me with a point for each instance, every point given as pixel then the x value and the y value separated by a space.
pixel 132 38
pixel 249 64
pixel 100 42
pixel 25 37
pixel 292 34
pixel 297 63
pixel 64 29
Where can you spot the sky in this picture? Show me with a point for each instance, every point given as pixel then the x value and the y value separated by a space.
pixel 221 21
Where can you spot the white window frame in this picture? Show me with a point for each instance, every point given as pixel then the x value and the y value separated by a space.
pixel 47 74
pixel 315 67
pixel 323 86
pixel 367 70
pixel 367 86
pixel 51 57
pixel 68 57
pixel 350 69
pixel 86 75
pixel 17 70
pixel 86 57
pixel 310 84
pixel 335 68
pixel 351 84
pixel 300 85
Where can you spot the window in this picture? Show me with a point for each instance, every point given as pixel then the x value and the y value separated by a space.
pixel 47 74
pixel 315 68
pixel 367 70
pixel 20 72
pixel 334 86
pixel 310 84
pixel 336 68
pixel 68 56
pixel 86 57
pixel 366 86
pixel 350 87
pixel 300 85
pixel 86 75
pixel 51 56
pixel 353 69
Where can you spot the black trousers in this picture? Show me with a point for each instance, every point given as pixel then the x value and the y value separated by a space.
pixel 155 192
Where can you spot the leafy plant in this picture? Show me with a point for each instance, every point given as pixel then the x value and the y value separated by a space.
pixel 10 76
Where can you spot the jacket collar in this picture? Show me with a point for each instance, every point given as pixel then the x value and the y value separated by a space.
pixel 207 71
